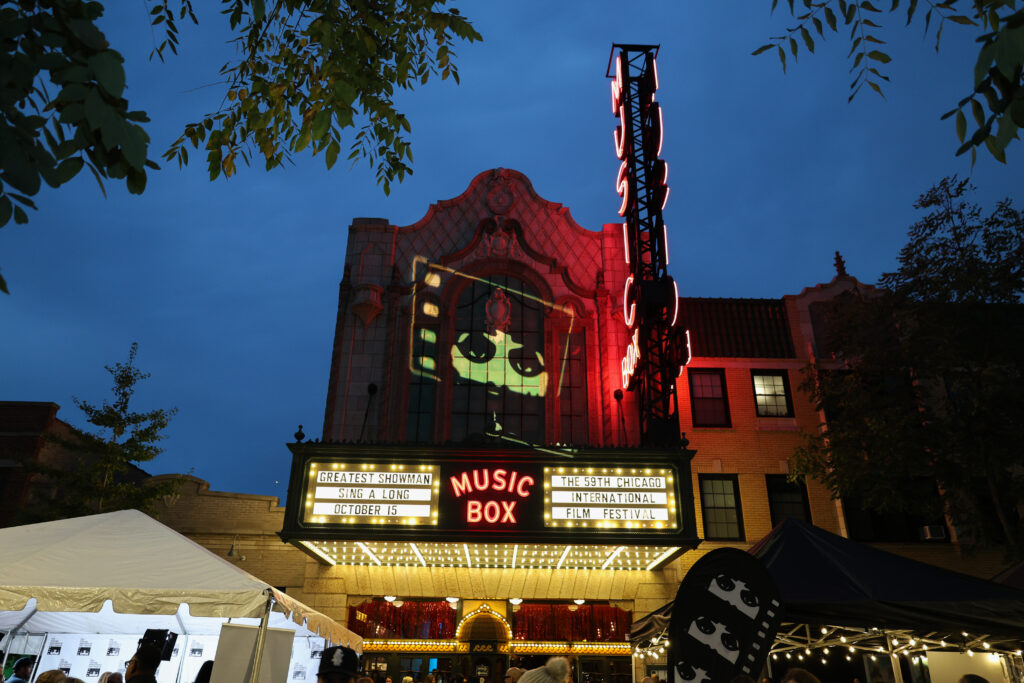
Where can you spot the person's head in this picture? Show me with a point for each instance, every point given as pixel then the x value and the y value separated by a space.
pixel 387 679
pixel 972 678
pixel 23 667
pixel 146 660
pixel 52 676
pixel 406 679
pixel 72 679
pixel 116 677
pixel 513 673
pixel 799 676
pixel 555 671
pixel 338 664
pixel 205 671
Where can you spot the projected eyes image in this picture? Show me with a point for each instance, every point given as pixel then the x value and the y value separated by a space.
pixel 500 375
pixel 497 360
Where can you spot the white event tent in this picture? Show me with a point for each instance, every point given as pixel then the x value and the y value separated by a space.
pixel 124 572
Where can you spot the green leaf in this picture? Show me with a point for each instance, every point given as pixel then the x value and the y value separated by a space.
pixel 985 56
pixel 95 109
pixel 331 156
pixel 792 46
pixel 876 88
pixel 134 143
pixel 344 91
pixel 1016 112
pixel 961 125
pixel 87 32
pixel 1009 51
pixel 830 17
pixel 1007 131
pixel 910 11
pixel 962 20
pixel 19 172
pixel 808 41
pixel 869 7
pixel 990 143
pixel 109 71
pixel 68 169
pixel 818 26
pixel 20 217
pixel 5 210
pixel 259 10
pixel 879 56
pixel 761 49
pixel 321 122
pixel 978 111
pixel 782 58
pixel 3 283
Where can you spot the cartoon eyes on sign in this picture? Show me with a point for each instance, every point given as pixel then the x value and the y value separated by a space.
pixel 716 636
pixel 497 360
pixel 736 593
pixel 690 673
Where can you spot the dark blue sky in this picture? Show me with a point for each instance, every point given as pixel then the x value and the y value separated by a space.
pixel 230 287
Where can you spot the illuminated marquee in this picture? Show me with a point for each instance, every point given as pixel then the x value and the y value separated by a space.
pixel 363 493
pixel 488 509
pixel 629 498
pixel 436 502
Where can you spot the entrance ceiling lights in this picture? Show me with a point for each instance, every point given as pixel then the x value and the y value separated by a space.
pixel 492 555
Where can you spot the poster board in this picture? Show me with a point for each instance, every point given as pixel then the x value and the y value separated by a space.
pixel 235 650
pixel 306 653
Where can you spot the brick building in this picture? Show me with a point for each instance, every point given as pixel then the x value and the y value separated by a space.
pixel 492 331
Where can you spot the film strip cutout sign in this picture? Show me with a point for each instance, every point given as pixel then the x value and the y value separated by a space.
pixel 726 614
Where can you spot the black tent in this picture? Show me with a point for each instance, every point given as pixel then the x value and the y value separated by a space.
pixel 825 579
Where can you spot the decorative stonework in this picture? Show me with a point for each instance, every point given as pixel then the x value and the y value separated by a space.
pixel 366 303
pixel 498 312
pixel 500 194
pixel 500 239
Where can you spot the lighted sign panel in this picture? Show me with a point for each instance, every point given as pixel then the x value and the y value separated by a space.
pixel 610 498
pixel 368 493
pixel 500 498
pixel 453 495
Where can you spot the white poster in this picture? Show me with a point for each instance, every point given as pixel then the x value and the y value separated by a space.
pixel 306 653
pixel 86 656
pixel 235 652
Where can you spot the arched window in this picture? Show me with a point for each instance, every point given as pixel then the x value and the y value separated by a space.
pixel 500 377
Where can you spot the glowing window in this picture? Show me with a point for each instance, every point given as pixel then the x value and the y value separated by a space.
pixel 720 507
pixel 499 372
pixel 771 394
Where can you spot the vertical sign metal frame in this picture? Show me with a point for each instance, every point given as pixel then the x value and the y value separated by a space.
pixel 655 354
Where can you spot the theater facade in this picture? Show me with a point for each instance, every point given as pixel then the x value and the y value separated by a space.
pixel 479 496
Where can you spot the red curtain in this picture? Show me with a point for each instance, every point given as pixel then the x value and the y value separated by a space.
pixel 594 623
pixel 424 620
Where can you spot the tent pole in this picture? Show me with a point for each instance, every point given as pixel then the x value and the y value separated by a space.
pixel 894 660
pixel 183 648
pixel 261 639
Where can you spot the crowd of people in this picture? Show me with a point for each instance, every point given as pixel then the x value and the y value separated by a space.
pixel 141 668
pixel 341 665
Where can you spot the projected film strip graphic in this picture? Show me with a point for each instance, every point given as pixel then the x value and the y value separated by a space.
pixel 726 615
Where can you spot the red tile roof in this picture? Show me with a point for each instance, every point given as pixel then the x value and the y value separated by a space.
pixel 737 328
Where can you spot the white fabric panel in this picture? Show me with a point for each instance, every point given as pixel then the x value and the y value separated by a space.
pixel 124 572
